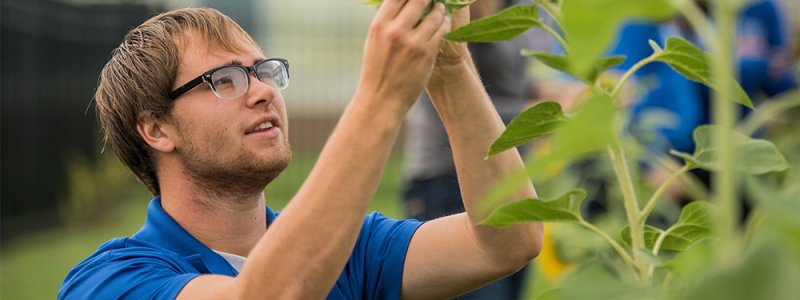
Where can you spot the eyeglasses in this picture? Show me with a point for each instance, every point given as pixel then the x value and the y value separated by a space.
pixel 232 81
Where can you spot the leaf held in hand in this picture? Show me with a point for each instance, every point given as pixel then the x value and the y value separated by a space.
pixel 505 25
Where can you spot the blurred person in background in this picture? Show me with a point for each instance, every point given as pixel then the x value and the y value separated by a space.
pixel 431 189
pixel 765 69
pixel 193 107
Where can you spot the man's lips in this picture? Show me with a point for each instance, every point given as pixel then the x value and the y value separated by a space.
pixel 264 124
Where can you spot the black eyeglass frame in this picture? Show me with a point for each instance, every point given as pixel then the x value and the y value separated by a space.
pixel 206 77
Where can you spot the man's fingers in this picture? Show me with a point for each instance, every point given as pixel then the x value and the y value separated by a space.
pixel 428 27
pixel 411 12
pixel 389 8
pixel 438 36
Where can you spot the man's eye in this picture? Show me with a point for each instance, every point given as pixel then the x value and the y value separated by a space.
pixel 223 81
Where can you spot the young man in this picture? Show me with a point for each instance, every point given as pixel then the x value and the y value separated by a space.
pixel 193 108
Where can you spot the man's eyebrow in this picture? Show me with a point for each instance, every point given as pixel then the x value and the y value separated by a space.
pixel 237 62
pixel 259 59
pixel 234 62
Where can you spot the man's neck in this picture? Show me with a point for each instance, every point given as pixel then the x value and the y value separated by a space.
pixel 227 225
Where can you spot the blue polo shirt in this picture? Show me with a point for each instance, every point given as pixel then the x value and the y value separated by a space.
pixel 158 261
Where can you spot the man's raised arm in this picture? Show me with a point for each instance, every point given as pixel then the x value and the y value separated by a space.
pixel 453 255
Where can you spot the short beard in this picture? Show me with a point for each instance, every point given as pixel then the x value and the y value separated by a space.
pixel 238 178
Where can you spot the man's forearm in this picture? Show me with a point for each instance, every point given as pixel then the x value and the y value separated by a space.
pixel 472 124
pixel 322 221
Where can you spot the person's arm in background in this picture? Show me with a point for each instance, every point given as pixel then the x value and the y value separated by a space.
pixel 780 61
pixel 452 255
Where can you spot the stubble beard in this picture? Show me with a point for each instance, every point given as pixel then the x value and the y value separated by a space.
pixel 239 177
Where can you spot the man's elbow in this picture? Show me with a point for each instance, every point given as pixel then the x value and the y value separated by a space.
pixel 523 250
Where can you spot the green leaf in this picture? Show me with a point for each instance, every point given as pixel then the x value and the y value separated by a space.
pixel 693 225
pixel 590 25
pixel 760 156
pixel 505 25
pixel 564 208
pixel 554 294
pixel 537 121
pixel 767 270
pixel 695 64
pixel 591 130
pixel 655 46
pixel 561 63
pixel 651 259
pixel 453 5
pixel 449 5
pixel 650 235
pixel 371 2
pixel 597 279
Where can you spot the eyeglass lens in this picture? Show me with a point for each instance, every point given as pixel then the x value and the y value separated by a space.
pixel 233 81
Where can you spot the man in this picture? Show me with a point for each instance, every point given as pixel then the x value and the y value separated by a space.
pixel 193 108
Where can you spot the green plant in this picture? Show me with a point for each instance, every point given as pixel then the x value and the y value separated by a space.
pixel 705 254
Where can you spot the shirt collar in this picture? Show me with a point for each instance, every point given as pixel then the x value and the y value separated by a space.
pixel 162 230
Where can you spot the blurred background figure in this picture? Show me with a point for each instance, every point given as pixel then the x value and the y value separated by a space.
pixel 766 69
pixel 430 186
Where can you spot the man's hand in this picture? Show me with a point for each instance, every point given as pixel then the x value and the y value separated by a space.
pixel 452 52
pixel 400 49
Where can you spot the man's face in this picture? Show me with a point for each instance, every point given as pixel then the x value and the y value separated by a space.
pixel 224 144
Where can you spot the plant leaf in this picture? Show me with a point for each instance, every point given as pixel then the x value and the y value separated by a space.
pixel 561 63
pixel 693 225
pixel 650 235
pixel 655 46
pixel 695 64
pixel 371 2
pixel 505 25
pixel 537 121
pixel 761 155
pixel 766 270
pixel 453 5
pixel 590 25
pixel 589 131
pixel 564 208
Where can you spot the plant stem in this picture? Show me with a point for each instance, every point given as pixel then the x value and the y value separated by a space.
pixel 702 27
pixel 556 36
pixel 617 155
pixel 769 110
pixel 651 204
pixel 724 181
pixel 755 220
pixel 629 73
pixel 551 10
pixel 616 246
pixel 665 285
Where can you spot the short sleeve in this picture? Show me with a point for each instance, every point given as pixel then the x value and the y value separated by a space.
pixel 130 273
pixel 380 253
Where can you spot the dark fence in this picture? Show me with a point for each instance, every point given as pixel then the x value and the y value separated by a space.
pixel 51 54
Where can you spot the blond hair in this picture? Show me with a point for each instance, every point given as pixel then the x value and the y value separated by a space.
pixel 140 74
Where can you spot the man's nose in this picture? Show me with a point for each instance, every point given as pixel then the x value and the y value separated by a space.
pixel 260 91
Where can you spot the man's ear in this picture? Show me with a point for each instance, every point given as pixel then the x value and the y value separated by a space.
pixel 155 132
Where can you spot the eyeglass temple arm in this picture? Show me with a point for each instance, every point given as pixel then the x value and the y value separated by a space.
pixel 186 87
